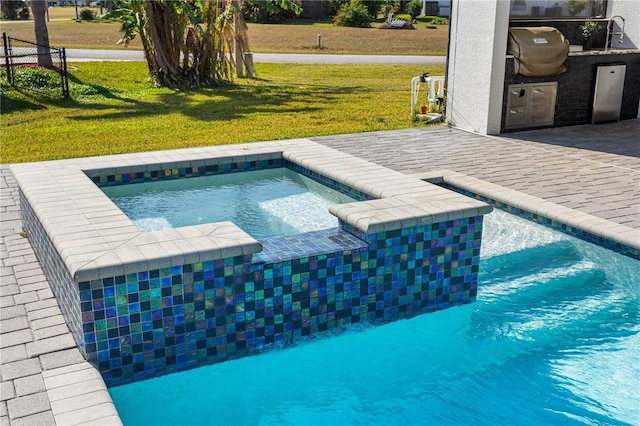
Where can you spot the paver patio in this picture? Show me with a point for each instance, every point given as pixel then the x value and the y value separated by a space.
pixel 594 170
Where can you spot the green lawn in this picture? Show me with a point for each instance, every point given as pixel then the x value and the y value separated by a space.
pixel 115 109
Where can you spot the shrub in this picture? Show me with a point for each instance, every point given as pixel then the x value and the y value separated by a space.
pixel 414 8
pixel 439 20
pixel 354 14
pixel 87 14
pixel 373 6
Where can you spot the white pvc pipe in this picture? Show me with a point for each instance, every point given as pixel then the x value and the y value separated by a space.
pixel 414 94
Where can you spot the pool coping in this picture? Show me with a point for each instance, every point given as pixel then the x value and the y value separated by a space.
pixel 95 239
pixel 618 233
pixel 78 395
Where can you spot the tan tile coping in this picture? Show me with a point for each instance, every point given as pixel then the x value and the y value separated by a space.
pixel 586 222
pixel 78 396
pixel 95 239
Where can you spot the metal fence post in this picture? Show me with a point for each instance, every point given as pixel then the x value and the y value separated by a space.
pixel 65 77
pixel 6 57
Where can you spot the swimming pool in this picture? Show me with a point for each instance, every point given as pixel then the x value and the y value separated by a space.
pixel 553 338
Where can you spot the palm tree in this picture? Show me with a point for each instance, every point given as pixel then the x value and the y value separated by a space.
pixel 39 11
pixel 187 43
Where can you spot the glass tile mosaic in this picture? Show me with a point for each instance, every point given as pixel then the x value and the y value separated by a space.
pixel 156 322
pixel 308 244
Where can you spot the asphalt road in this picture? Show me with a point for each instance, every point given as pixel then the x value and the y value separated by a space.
pixel 82 55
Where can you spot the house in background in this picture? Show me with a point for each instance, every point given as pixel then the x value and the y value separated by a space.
pixel 482 81
pixel 444 8
pixel 318 9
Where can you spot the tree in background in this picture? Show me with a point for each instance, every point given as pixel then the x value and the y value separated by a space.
pixel 109 5
pixel 269 11
pixel 14 10
pixel 414 8
pixel 353 14
pixel 186 43
pixel 39 11
pixel 373 6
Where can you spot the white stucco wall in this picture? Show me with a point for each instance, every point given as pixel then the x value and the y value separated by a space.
pixel 476 63
pixel 630 11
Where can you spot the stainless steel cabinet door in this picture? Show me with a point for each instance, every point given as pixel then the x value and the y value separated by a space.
pixel 607 99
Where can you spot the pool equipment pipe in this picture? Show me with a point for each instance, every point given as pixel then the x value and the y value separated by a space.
pixel 435 90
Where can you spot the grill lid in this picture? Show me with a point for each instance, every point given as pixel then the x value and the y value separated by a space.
pixel 538 51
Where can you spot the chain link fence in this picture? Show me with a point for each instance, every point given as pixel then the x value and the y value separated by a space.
pixel 34 67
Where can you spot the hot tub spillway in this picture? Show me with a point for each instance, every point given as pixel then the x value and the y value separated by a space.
pixel 141 305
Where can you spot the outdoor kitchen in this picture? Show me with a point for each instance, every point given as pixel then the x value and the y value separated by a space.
pixel 484 77
pixel 564 72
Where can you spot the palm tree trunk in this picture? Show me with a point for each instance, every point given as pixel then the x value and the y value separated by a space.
pixel 39 10
pixel 190 44
pixel 165 40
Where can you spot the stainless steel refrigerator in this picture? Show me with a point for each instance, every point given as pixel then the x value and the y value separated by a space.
pixel 607 99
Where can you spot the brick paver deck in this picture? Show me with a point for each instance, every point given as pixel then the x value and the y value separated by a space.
pixel 593 169
pixel 44 380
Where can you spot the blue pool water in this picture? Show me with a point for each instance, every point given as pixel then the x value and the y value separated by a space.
pixel 264 203
pixel 553 338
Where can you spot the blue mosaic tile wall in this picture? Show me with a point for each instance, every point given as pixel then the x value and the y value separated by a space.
pixel 156 322
pixel 61 281
pixel 307 244
pixel 562 227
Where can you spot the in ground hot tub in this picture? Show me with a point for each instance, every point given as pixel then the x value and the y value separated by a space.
pixel 142 304
pixel 264 203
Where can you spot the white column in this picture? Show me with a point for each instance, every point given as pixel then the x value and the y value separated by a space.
pixel 476 64
pixel 629 10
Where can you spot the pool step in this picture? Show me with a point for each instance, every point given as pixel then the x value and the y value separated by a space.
pixel 557 313
pixel 524 262
pixel 547 288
